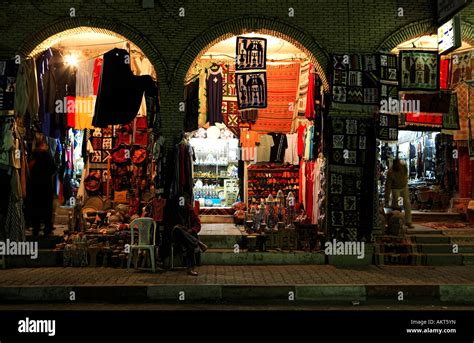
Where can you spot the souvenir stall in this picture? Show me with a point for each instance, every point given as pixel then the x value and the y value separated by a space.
pixel 433 122
pixel 103 140
pixel 260 94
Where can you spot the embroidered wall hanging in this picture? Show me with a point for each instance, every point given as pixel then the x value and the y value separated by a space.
pixel 387 127
pixel 251 53
pixel 231 116
pixel 228 81
pixel 252 90
pixel 451 118
pixel 419 70
pixel 388 68
pixel 462 68
pixel 355 79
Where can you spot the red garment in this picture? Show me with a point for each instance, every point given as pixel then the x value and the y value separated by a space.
pixel 309 173
pixel 310 95
pixel 71 111
pixel 300 131
pixel 97 72
pixel 302 179
pixel 443 74
pixel 158 206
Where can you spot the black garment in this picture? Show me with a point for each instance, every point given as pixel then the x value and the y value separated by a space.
pixel 280 143
pixel 120 92
pixel 40 191
pixel 191 96
pixel 214 91
pixel 59 81
pixel 188 244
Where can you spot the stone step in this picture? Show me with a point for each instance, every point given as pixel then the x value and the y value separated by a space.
pixel 398 259
pixel 216 219
pixel 61 219
pixel 429 239
pixel 438 259
pixel 445 248
pixel 433 216
pixel 221 241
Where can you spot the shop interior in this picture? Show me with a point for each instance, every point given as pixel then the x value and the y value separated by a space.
pixel 437 159
pixel 280 155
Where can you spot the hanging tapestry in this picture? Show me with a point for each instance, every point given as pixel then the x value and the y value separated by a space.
pixel 251 53
pixel 438 102
pixel 349 141
pixel 462 67
pixel 462 98
pixel 252 90
pixel 283 87
pixel 443 73
pixel 228 81
pixel 230 113
pixel 347 203
pixel 451 118
pixel 388 69
pixel 389 98
pixel 8 72
pixel 303 87
pixel 355 80
pixel 387 128
pixel 419 70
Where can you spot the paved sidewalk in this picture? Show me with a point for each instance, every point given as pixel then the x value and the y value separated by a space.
pixel 243 284
pixel 243 275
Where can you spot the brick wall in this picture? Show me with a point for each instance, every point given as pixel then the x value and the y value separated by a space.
pixel 172 42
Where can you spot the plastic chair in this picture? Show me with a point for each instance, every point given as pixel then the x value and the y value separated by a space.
pixel 146 239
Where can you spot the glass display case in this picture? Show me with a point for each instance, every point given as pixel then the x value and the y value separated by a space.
pixel 215 173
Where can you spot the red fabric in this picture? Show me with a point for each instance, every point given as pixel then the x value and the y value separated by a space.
pixel 158 206
pixel 310 95
pixel 97 71
pixel 466 169
pixel 309 189
pixel 71 111
pixel 302 175
pixel 427 119
pixel 443 74
pixel 300 130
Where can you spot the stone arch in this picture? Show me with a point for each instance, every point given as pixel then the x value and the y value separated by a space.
pixel 420 28
pixel 274 27
pixel 33 45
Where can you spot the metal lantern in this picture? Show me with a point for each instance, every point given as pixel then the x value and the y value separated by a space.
pixel 290 210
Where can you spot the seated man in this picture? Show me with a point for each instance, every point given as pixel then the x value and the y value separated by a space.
pixel 183 225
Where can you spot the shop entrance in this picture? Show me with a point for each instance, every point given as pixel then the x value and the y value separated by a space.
pixel 90 102
pixel 251 159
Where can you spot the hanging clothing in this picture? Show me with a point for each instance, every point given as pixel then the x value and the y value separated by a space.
pixel 191 96
pixel 15 222
pixel 310 94
pixel 308 143
pixel 303 87
pixel 120 92
pixel 42 68
pixel 97 72
pixel 182 181
pixel 264 148
pixel 85 78
pixel 291 152
pixel 248 140
pixel 214 90
pixel 26 90
pixel 277 153
pixel 301 130
pixel 309 193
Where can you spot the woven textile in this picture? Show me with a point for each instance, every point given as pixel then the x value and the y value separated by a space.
pixel 419 70
pixel 303 87
pixel 283 87
pixel 388 69
pixel 251 53
pixel 451 118
pixel 231 116
pixel 462 67
pixel 387 127
pixel 252 90
pixel 463 101
pixel 443 74
pixel 355 79
pixel 349 140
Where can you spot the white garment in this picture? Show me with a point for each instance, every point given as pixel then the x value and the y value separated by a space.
pixel 264 148
pixel 291 152
pixel 85 78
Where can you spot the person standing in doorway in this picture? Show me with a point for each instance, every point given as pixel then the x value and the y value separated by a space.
pixel 396 185
pixel 40 189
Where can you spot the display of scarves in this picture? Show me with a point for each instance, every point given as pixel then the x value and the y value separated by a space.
pixel 303 88
pixel 462 67
pixel 419 70
pixel 283 88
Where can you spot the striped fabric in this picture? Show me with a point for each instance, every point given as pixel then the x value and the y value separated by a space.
pixel 283 91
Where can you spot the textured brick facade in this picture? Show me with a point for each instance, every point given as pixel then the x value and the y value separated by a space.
pixel 174 33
